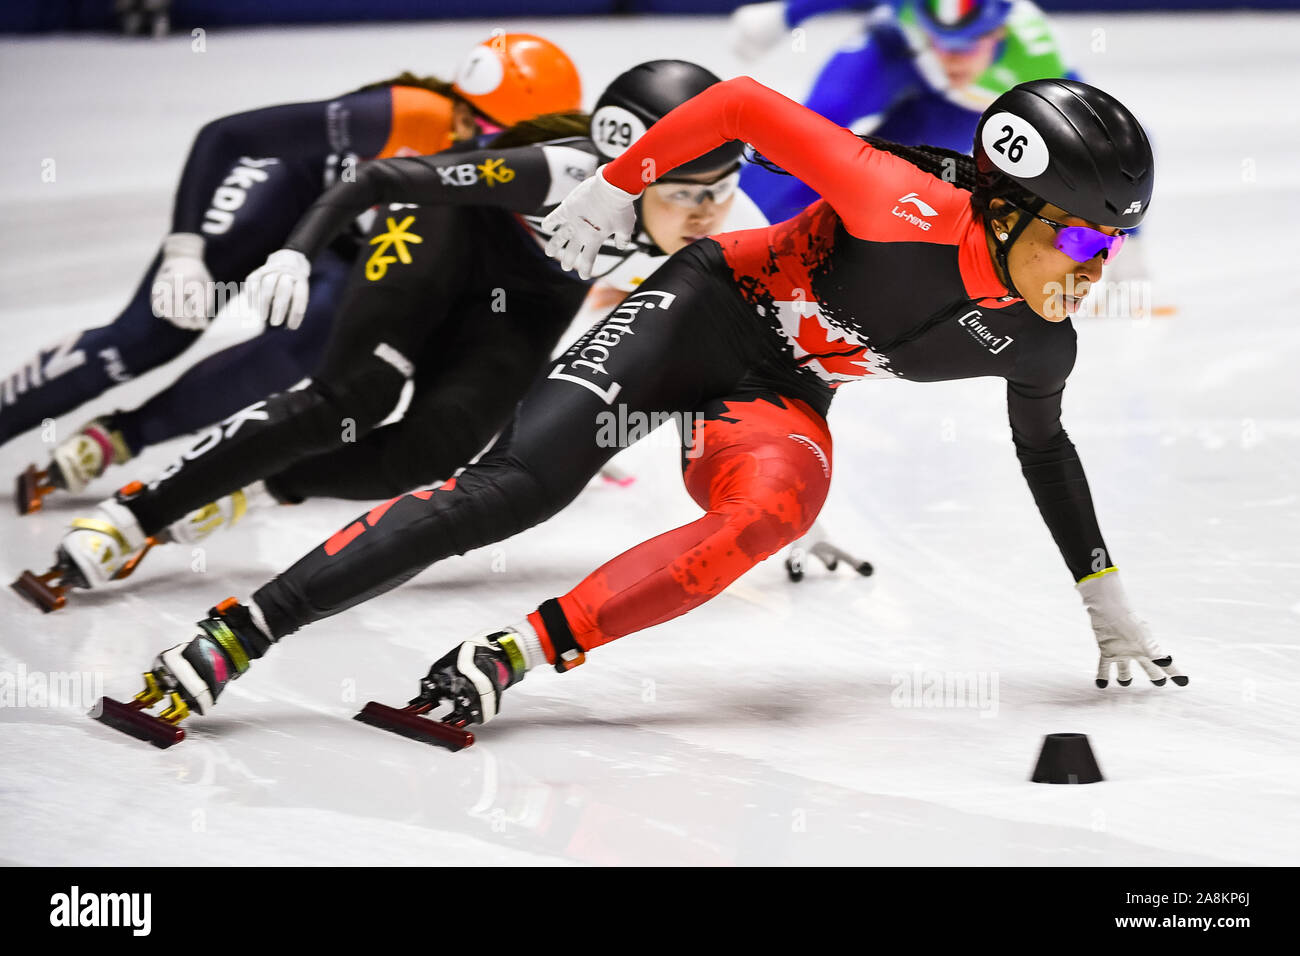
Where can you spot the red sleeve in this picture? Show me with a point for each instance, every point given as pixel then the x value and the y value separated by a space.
pixel 842 168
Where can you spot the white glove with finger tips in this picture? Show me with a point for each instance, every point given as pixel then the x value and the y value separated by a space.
pixel 278 289
pixel 756 28
pixel 1122 636
pixel 592 213
pixel 182 288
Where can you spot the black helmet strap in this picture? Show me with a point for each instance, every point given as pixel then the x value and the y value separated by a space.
pixel 1004 245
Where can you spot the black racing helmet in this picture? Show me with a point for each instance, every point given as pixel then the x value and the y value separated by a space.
pixel 639 98
pixel 1072 145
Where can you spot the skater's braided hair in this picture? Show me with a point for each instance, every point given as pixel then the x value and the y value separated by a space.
pixel 539 129
pixel 407 78
pixel 948 165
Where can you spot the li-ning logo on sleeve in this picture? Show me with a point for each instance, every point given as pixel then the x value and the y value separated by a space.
pixel 925 209
pixel 396 239
pixel 584 363
pixel 982 334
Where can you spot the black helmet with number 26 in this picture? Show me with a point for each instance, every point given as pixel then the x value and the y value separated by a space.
pixel 1072 145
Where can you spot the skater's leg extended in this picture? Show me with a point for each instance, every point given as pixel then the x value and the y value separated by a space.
pixel 760 466
pixel 67 373
pixel 648 356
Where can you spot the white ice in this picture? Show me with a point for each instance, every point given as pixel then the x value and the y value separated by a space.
pixel 762 727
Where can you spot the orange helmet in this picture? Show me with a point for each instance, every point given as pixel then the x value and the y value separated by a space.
pixel 516 76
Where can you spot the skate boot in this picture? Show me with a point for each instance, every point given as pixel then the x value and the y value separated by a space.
pixel 191 675
pixel 471 678
pixel 225 512
pixel 74 464
pixel 105 547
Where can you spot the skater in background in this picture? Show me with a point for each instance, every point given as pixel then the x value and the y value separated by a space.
pixel 748 335
pixel 922 72
pixel 248 179
pixel 456 297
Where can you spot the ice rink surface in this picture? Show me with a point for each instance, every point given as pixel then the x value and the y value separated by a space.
pixel 764 727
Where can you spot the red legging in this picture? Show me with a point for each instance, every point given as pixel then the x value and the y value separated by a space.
pixel 762 477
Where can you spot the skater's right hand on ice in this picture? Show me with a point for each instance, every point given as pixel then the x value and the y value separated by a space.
pixel 182 288
pixel 592 213
pixel 756 28
pixel 278 290
pixel 1122 636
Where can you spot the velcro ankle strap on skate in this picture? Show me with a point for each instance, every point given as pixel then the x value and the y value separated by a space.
pixel 228 641
pixel 240 622
pixel 568 654
pixel 103 527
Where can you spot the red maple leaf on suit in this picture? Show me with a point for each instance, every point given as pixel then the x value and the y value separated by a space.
pixel 838 357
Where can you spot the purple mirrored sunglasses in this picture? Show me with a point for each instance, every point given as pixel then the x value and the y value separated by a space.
pixel 1082 243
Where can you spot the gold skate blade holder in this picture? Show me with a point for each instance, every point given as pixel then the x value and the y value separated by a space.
pixel 134 561
pixel 133 720
pixel 30 489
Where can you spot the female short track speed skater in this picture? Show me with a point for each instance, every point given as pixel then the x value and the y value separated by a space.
pixel 457 297
pixel 920 73
pixel 248 179
pixel 753 332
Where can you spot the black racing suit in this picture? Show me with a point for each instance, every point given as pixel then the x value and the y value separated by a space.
pixel 453 293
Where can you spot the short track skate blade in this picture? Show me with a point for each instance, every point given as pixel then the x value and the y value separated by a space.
pixel 831 556
pixel 409 723
pixel 30 490
pixel 132 720
pixel 38 589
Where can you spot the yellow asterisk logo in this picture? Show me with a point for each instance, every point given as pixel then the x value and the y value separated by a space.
pixel 493 171
pixel 396 239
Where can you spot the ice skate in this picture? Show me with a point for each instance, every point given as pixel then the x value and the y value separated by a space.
pixel 190 676
pixel 470 678
pixel 74 464
pixel 816 545
pixel 224 513
pixel 105 547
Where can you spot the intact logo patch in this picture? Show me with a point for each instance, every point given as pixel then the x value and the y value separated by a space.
pixel 982 334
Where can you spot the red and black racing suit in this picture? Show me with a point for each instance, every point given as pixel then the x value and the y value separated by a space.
pixel 750 333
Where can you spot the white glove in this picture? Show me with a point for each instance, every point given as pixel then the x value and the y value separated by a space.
pixel 593 212
pixel 182 289
pixel 1122 636
pixel 278 290
pixel 756 28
